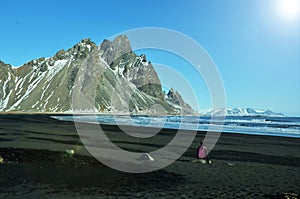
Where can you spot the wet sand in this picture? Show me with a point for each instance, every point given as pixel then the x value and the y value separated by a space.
pixel 37 166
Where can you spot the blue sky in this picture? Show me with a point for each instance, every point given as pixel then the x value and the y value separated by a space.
pixel 255 46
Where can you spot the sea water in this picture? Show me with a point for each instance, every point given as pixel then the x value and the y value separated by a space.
pixel 273 126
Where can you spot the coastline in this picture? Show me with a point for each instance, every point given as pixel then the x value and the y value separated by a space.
pixel 51 114
pixel 248 166
pixel 88 113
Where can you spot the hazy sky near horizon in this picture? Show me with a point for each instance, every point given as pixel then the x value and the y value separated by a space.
pixel 254 43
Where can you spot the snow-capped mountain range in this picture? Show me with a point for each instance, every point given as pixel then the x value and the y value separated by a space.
pixel 240 112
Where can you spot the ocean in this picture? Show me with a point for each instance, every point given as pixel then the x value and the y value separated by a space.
pixel 255 125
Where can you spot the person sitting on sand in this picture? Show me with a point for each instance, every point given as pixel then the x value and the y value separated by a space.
pixel 202 153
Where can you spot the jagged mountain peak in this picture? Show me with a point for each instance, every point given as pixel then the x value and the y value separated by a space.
pixel 88 41
pixel 121 39
pixel 84 44
pixel 112 50
pixel 171 93
pixel 2 63
pixel 78 51
pixel 47 84
pixel 174 97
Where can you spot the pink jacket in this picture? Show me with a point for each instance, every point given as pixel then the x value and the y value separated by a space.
pixel 202 152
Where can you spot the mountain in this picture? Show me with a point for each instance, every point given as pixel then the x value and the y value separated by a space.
pixel 176 99
pixel 241 112
pixel 47 84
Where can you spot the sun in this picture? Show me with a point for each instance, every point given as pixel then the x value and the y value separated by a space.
pixel 289 9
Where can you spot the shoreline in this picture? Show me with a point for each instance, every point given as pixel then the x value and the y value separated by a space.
pixel 243 166
pixel 90 113
pixel 150 127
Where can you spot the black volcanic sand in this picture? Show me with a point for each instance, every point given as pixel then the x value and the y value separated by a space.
pixel 37 166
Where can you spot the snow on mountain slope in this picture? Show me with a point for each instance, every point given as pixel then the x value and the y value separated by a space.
pixel 240 112
pixel 47 84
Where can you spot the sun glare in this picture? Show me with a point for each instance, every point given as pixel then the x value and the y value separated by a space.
pixel 289 9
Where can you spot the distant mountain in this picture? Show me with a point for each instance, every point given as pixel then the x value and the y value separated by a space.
pixel 241 112
pixel 47 84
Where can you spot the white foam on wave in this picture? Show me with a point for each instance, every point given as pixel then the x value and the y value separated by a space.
pixel 254 126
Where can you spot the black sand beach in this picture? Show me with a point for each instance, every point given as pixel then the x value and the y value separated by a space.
pixel 37 166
